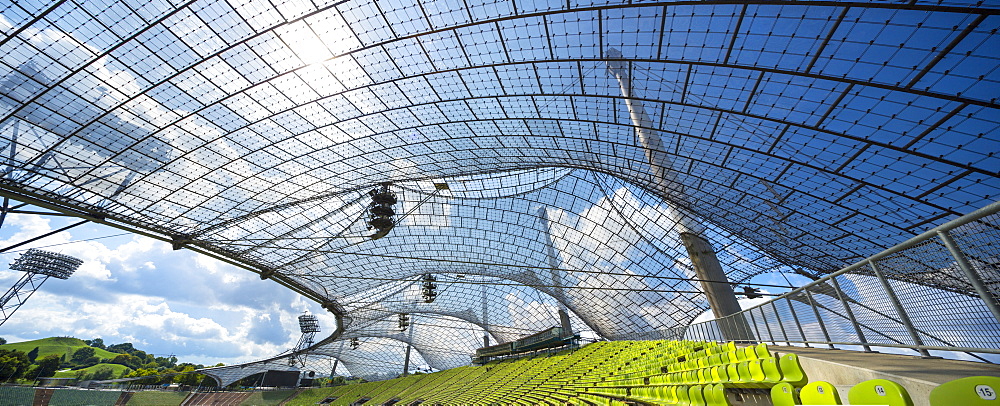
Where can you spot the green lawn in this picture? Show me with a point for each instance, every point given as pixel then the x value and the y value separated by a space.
pixel 114 367
pixel 56 345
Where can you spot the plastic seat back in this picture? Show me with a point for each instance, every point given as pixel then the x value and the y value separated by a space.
pixel 771 371
pixel 791 371
pixel 783 394
pixel 971 391
pixel 743 369
pixel 719 395
pixel 762 351
pixel 879 392
pixel 732 373
pixel 819 393
pixel 682 396
pixel 756 371
pixel 696 396
pixel 670 394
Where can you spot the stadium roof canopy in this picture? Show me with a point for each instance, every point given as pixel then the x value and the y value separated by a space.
pixel 802 135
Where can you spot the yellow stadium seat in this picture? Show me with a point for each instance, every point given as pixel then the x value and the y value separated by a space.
pixel 791 371
pixel 772 374
pixel 783 394
pixel 879 392
pixel 696 396
pixel 715 395
pixel 819 393
pixel 971 391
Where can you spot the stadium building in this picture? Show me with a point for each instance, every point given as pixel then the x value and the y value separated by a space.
pixel 742 203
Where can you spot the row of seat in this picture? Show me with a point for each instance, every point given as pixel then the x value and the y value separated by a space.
pixel 685 373
pixel 969 391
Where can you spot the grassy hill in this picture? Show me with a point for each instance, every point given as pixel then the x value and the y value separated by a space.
pixel 91 369
pixel 56 345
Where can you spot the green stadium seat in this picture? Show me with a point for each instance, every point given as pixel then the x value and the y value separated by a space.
pixel 729 346
pixel 762 351
pixel 791 370
pixel 971 391
pixel 783 394
pixel 715 395
pixel 672 394
pixel 879 392
pixel 696 396
pixel 743 369
pixel 681 395
pixel 732 373
pixel 819 393
pixel 756 371
pixel 772 374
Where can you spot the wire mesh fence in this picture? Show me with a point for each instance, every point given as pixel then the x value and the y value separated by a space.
pixel 936 292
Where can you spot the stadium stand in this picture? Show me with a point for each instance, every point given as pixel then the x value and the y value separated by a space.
pixel 690 373
pixel 216 398
pixel 267 398
pixel 76 397
pixel 15 395
pixel 151 398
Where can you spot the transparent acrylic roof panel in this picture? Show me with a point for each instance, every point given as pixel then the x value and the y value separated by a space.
pixel 806 134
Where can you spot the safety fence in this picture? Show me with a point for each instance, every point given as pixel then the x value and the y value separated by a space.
pixel 938 291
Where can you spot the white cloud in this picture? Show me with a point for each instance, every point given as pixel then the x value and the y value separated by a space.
pixel 163 301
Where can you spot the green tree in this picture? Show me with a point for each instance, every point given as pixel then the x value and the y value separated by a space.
pixel 32 355
pixel 123 348
pixel 13 365
pixel 103 374
pixel 187 377
pixel 82 355
pixel 47 366
pixel 96 343
pixel 126 360
pixel 3 341
pixel 151 373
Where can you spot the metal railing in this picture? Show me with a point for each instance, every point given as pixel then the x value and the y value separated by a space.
pixel 937 291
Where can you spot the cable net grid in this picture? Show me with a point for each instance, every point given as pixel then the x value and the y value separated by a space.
pixel 250 127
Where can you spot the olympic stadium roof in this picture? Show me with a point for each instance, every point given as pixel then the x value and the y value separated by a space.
pixel 801 135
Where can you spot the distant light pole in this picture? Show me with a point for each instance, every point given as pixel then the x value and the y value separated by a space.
pixel 38 266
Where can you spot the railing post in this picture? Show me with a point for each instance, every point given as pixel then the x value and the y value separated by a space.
pixel 780 323
pixel 903 317
pixel 850 315
pixel 802 333
pixel 819 318
pixel 756 329
pixel 974 279
pixel 767 326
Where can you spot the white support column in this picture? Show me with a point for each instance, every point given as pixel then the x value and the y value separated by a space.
pixel 703 258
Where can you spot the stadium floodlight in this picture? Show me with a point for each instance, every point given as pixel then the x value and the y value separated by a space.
pixel 309 326
pixel 429 288
pixel 38 266
pixel 404 321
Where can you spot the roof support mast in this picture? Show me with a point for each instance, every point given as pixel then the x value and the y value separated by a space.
pixel 703 258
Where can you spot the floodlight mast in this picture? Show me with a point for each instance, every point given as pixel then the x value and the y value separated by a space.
pixel 706 264
pixel 309 325
pixel 38 266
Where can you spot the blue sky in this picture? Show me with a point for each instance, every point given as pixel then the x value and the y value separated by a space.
pixel 136 289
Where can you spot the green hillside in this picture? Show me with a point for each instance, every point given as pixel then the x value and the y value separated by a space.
pixel 91 369
pixel 56 345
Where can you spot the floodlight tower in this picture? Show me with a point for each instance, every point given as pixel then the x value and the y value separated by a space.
pixel 309 325
pixel 706 264
pixel 37 266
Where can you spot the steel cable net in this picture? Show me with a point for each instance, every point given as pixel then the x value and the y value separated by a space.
pixel 804 134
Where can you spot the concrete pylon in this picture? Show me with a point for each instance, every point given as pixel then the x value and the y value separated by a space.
pixel 706 264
